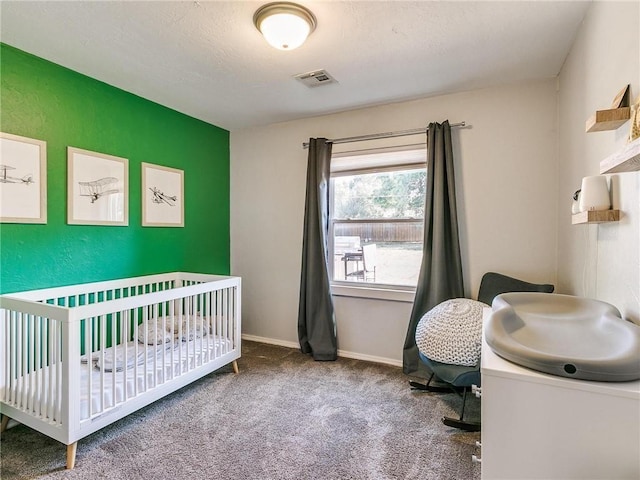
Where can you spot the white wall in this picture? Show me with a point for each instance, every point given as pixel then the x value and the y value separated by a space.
pixel 599 261
pixel 507 190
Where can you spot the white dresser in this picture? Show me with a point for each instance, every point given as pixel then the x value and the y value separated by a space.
pixel 539 426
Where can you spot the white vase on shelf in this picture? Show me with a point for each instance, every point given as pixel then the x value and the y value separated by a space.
pixel 594 194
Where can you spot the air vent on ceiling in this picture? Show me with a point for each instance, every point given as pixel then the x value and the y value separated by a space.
pixel 315 78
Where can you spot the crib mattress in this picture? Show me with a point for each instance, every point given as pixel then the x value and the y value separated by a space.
pixel 108 380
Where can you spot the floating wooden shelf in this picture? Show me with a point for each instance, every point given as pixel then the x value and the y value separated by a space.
pixel 626 160
pixel 608 119
pixel 596 216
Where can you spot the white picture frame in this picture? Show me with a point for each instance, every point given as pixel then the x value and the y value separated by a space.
pixel 23 179
pixel 97 188
pixel 162 196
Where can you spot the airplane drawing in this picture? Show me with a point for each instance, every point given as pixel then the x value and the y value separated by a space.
pixel 4 178
pixel 160 197
pixel 98 188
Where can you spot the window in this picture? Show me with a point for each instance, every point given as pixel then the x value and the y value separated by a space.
pixel 376 218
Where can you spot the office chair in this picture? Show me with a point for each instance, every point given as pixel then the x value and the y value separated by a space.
pixel 460 378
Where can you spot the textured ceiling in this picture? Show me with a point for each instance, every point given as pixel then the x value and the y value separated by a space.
pixel 206 59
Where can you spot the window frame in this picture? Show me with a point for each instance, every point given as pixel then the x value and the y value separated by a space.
pixel 382 291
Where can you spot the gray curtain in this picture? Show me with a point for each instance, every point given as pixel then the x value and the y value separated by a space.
pixel 316 319
pixel 441 271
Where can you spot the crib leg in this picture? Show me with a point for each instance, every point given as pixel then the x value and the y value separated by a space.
pixel 236 370
pixel 5 421
pixel 71 455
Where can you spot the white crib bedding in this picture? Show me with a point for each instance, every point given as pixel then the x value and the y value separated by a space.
pixel 128 356
pixel 152 366
pixel 147 367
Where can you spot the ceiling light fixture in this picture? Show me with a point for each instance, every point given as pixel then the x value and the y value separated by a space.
pixel 284 25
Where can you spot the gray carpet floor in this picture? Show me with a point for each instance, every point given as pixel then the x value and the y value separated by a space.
pixel 283 417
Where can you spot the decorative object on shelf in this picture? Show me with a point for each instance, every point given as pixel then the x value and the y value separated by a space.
pixel 162 196
pixel 596 216
pixel 622 98
pixel 23 179
pixel 612 118
pixel 98 188
pixel 634 131
pixel 594 194
pixel 284 25
pixel 626 160
pixel 575 205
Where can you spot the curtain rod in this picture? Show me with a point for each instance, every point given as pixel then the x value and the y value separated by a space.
pixel 375 136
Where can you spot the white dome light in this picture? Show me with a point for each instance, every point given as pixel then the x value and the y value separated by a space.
pixel 284 25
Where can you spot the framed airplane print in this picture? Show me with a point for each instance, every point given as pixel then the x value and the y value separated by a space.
pixel 97 188
pixel 162 196
pixel 23 179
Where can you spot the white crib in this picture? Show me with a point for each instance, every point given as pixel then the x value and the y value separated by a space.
pixel 75 359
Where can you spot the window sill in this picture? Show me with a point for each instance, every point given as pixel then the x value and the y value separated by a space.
pixel 374 293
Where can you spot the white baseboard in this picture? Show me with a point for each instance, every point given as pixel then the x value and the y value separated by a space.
pixel 341 353
pixel 370 358
pixel 270 341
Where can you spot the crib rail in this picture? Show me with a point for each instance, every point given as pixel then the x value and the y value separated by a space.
pixel 96 292
pixel 69 357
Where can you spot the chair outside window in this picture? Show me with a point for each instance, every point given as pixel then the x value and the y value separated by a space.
pixel 368 271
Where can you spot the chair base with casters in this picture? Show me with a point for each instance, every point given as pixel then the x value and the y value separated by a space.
pixel 458 379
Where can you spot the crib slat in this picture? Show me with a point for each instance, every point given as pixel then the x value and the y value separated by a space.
pixel 180 333
pixel 234 337
pixel 188 324
pixel 26 337
pixel 52 369
pixel 225 317
pixel 172 322
pixel 8 386
pixel 162 317
pixel 17 344
pixel 58 363
pixel 5 341
pixel 30 339
pixel 234 316
pixel 136 348
pixel 103 346
pixel 46 369
pixel 37 366
pixel 145 319
pixel 115 347
pixel 230 319
pixel 88 350
pixel 210 328
pixel 43 367
pixel 201 327
pixel 219 319
pixel 154 312
pixel 33 372
pixel 14 352
pixel 124 340
pixel 23 360
pixel 197 336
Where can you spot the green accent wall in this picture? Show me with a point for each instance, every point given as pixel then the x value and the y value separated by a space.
pixel 42 100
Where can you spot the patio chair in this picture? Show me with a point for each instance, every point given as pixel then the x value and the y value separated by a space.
pixel 460 378
pixel 368 271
